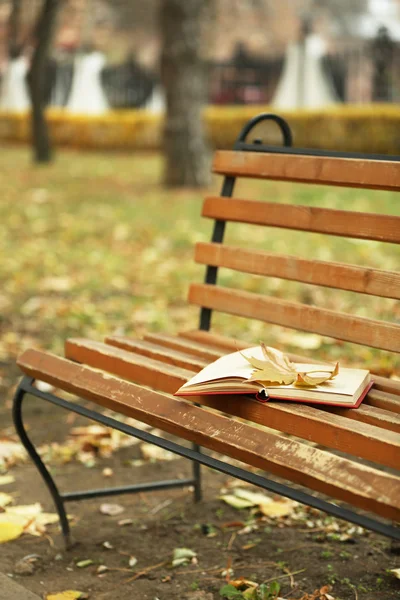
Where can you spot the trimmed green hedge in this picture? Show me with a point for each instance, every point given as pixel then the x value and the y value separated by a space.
pixel 370 128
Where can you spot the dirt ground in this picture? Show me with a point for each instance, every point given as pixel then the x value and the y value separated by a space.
pixel 302 557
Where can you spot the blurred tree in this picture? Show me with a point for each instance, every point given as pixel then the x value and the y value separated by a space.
pixel 14 43
pixel 342 11
pixel 183 75
pixel 43 35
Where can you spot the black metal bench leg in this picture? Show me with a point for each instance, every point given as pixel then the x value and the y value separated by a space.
pixel 49 481
pixel 197 476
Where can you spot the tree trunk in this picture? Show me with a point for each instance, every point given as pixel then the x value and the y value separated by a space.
pixel 184 80
pixel 14 45
pixel 36 79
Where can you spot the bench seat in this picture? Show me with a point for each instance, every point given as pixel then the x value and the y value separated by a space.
pixel 111 374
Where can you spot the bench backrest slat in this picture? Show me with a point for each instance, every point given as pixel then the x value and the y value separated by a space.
pixel 329 274
pixel 366 173
pixel 311 241
pixel 342 223
pixel 376 334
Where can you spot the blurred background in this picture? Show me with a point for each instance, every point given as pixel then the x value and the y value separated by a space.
pixel 112 60
pixel 122 102
pixel 248 49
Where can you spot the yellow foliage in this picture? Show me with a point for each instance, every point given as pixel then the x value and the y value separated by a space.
pixel 10 531
pixel 370 128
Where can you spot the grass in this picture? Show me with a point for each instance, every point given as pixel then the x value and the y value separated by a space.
pixel 93 244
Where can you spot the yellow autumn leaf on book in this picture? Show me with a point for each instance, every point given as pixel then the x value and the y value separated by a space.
pixel 276 367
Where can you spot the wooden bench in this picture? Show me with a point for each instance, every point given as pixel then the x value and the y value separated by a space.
pixel 355 453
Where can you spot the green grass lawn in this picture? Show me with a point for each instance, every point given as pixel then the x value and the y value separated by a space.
pixel 93 244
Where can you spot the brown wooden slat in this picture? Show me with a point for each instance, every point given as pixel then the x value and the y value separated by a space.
pixel 383 400
pixel 359 330
pixel 367 413
pixel 355 483
pixel 308 422
pixel 385 394
pixel 193 348
pixel 128 365
pixel 348 172
pixel 330 221
pixel 329 274
pixel 146 348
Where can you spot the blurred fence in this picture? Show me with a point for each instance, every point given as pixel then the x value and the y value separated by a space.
pixel 360 72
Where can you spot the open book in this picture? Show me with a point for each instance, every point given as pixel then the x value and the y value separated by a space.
pixel 314 383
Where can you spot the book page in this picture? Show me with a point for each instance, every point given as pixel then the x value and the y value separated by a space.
pixel 346 383
pixel 231 365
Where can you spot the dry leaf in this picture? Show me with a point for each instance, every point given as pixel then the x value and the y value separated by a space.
pixel 255 497
pixel 152 452
pixel 5 499
pixel 6 479
pixel 111 509
pixel 396 572
pixel 277 509
pixel 236 502
pixel 276 368
pixel 10 531
pixel 67 595
pixel 82 564
pixel 182 556
pixel 11 452
pixel 30 517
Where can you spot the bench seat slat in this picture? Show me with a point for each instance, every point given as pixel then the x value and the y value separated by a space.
pixel 360 330
pixel 385 393
pixel 366 414
pixel 330 221
pixel 361 485
pixel 334 431
pixel 317 272
pixel 146 348
pixel 207 352
pixel 349 172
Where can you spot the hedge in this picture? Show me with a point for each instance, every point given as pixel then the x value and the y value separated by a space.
pixel 366 128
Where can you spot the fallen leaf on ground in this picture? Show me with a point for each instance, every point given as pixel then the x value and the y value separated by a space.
pixel 236 502
pixel 124 522
pixel 111 509
pixel 10 531
pixel 182 556
pixel 30 517
pixel 6 479
pixel 67 595
pixel 11 453
pixel 277 509
pixel 254 497
pixel 396 572
pixel 270 508
pixel 5 499
pixel 151 452
pixel 82 564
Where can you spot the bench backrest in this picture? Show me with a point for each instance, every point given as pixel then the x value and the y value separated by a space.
pixel 304 166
